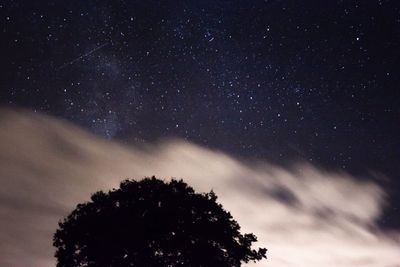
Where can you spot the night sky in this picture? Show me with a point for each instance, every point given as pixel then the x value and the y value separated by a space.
pixel 277 80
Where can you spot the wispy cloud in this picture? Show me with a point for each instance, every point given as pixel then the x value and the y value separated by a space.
pixel 304 216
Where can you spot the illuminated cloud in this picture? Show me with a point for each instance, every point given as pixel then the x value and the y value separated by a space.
pixel 304 216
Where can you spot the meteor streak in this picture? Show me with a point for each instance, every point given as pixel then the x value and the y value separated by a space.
pixel 82 56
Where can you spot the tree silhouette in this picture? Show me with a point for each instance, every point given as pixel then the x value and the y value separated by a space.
pixel 152 223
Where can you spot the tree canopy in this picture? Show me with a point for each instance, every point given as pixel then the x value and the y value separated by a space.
pixel 152 223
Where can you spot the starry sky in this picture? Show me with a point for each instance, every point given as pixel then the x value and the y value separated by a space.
pixel 281 80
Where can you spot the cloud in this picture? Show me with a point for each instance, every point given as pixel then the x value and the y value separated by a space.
pixel 304 216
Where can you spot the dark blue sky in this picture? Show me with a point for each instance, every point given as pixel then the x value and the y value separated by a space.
pixel 276 80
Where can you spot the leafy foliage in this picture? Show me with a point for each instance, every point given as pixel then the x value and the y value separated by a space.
pixel 152 223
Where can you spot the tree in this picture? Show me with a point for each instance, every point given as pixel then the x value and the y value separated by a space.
pixel 152 223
